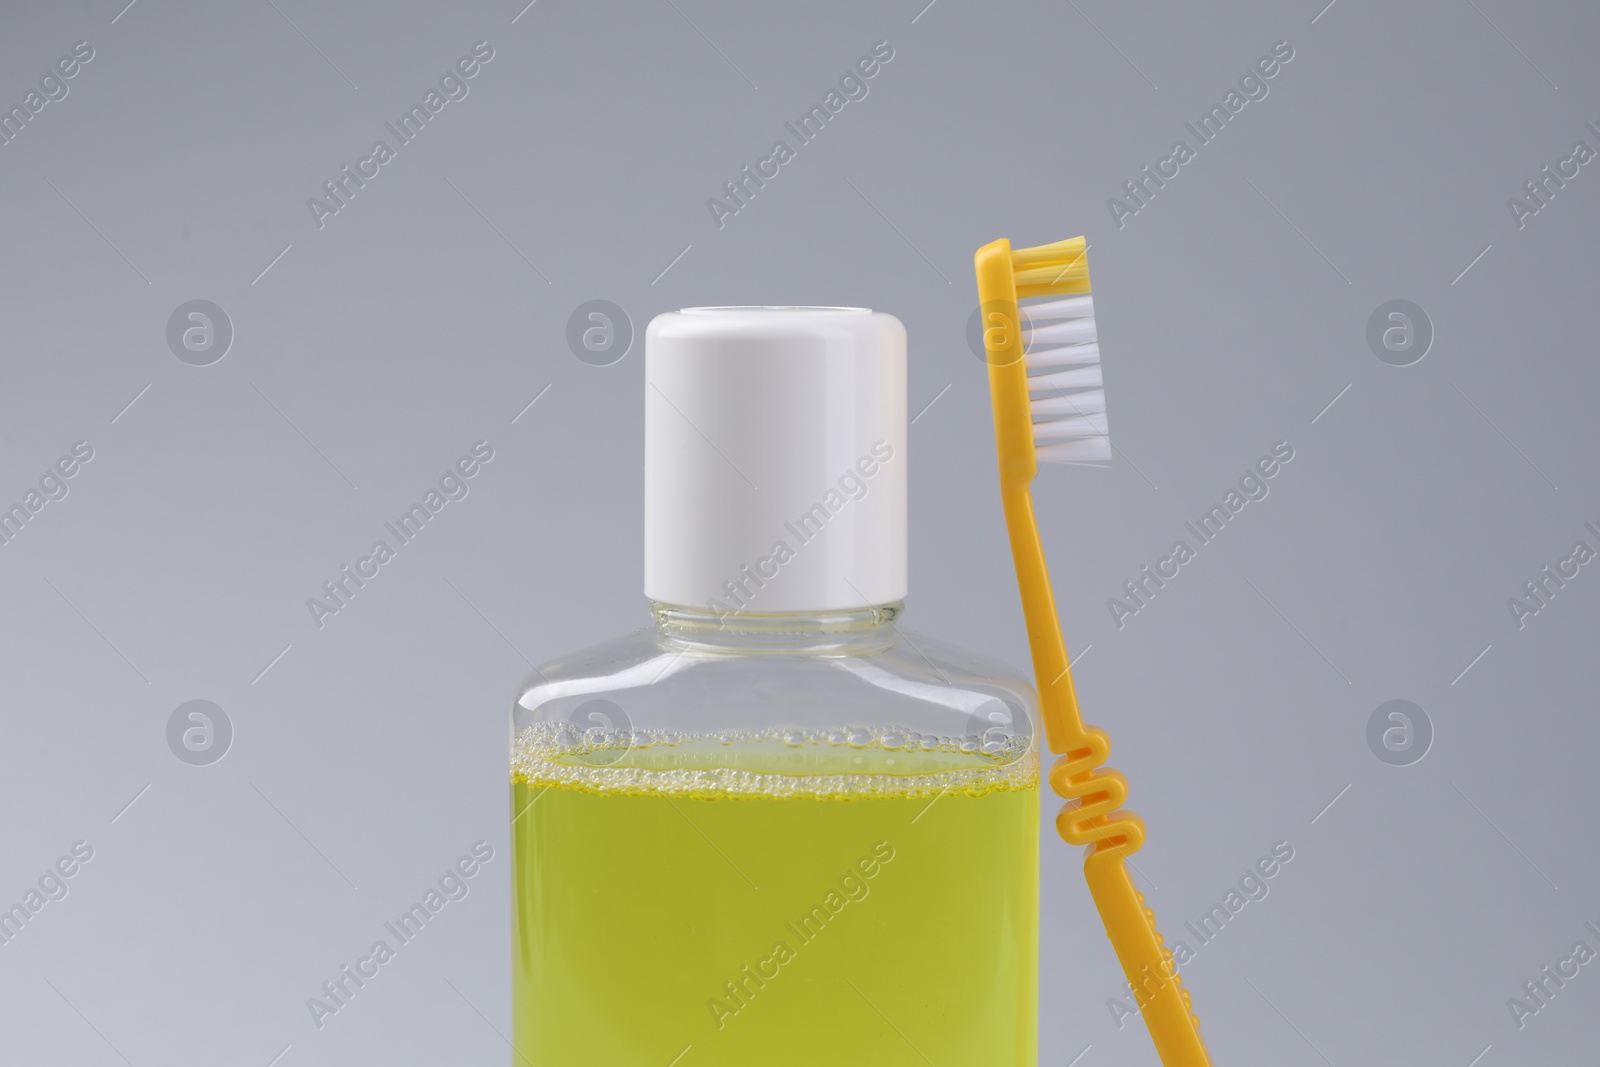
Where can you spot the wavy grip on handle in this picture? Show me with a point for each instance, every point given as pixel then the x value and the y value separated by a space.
pixel 1091 818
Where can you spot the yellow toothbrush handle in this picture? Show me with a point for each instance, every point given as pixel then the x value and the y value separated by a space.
pixel 1058 699
pixel 1091 816
pixel 1157 989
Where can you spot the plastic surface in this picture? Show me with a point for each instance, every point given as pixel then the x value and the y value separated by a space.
pixel 775 466
pixel 689 806
pixel 697 674
pixel 1090 816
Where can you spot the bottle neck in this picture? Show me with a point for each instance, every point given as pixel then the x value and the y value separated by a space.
pixel 852 632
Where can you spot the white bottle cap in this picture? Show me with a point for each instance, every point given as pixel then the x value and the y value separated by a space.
pixel 775 459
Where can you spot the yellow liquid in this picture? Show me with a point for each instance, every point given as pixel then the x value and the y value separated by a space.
pixel 878 907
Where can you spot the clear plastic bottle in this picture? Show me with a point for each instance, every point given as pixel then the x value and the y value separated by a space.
pixel 760 834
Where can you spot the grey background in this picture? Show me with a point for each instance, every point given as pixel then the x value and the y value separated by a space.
pixel 426 315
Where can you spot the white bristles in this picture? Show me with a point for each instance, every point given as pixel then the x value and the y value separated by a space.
pixel 1069 428
pixel 1077 378
pixel 1073 307
pixel 1066 332
pixel 1090 451
pixel 1089 402
pixel 1068 401
pixel 1065 356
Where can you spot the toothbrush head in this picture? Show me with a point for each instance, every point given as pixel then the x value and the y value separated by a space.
pixel 1044 357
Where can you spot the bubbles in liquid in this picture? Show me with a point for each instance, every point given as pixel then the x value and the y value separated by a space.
pixel 548 754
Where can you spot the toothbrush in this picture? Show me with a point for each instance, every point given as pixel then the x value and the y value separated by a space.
pixel 1071 427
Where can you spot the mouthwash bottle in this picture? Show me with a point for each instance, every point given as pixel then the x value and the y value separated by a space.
pixel 775 827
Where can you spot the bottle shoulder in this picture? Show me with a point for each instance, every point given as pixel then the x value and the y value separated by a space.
pixel 647 681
